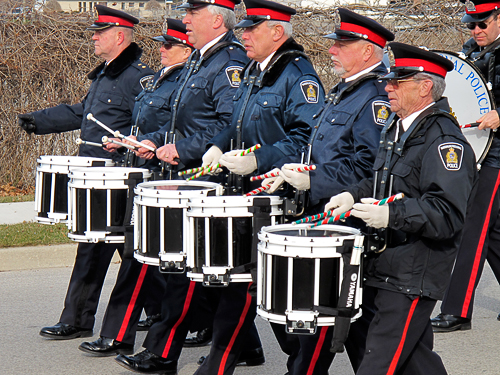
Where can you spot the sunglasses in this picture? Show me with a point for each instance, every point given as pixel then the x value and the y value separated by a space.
pixel 482 25
pixel 168 45
pixel 395 82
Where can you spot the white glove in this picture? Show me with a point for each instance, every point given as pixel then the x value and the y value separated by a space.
pixel 211 159
pixel 299 180
pixel 275 181
pixel 340 203
pixel 374 216
pixel 241 165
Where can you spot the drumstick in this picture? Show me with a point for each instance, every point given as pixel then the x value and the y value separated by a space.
pixel 259 190
pixel 471 125
pixel 82 142
pixel 345 215
pixel 132 140
pixel 249 150
pixel 111 140
pixel 203 172
pixel 191 171
pixel 276 174
pixel 118 134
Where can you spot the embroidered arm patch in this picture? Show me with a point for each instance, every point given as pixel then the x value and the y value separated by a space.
pixel 381 111
pixel 310 90
pixel 145 80
pixel 233 75
pixel 451 155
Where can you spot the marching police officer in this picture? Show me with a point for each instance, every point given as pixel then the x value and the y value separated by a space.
pixel 424 155
pixel 111 98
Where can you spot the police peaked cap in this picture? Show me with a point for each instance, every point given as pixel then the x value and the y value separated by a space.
pixel 263 10
pixel 354 26
pixel 109 17
pixel 409 60
pixel 175 33
pixel 190 4
pixel 479 10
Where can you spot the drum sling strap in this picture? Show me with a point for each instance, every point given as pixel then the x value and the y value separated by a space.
pixel 127 228
pixel 261 210
pixel 345 310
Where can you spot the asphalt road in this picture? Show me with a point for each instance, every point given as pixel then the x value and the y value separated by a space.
pixel 30 299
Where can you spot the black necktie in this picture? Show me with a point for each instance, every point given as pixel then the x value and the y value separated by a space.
pixel 401 130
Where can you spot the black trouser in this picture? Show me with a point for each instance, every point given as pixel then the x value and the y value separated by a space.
pixel 400 338
pixel 480 241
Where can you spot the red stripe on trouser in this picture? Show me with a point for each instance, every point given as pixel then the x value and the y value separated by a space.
pixel 317 350
pixel 477 258
pixel 185 309
pixel 131 304
pixel 243 315
pixel 395 359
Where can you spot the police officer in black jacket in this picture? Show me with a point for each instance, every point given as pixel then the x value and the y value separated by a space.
pixel 480 241
pixel 111 98
pixel 424 155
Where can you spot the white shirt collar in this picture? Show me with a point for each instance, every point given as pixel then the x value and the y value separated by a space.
pixel 263 64
pixel 367 70
pixel 166 69
pixel 210 44
pixel 408 121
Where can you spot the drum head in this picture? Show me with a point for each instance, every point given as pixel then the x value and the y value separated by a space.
pixel 469 98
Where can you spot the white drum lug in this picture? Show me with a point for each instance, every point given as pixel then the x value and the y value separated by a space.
pixel 301 321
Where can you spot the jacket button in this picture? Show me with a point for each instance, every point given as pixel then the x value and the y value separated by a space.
pixel 192 84
pixel 151 102
pixel 109 100
pixel 265 103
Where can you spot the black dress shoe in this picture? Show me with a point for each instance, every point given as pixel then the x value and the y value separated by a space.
pixel 254 357
pixel 450 323
pixel 145 324
pixel 498 317
pixel 146 362
pixel 104 347
pixel 63 331
pixel 202 338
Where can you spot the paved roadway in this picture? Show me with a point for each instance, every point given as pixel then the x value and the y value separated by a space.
pixel 33 298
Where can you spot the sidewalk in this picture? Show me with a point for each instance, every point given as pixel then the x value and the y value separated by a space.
pixel 32 257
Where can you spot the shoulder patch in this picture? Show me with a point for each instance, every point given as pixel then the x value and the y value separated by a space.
pixel 146 80
pixel 451 155
pixel 310 90
pixel 233 75
pixel 381 111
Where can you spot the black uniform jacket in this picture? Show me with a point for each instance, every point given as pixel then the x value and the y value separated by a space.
pixel 110 99
pixel 434 166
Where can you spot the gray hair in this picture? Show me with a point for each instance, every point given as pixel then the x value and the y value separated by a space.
pixel 227 15
pixel 438 84
pixel 287 27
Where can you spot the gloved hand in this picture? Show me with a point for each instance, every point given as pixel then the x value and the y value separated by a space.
pixel 340 203
pixel 275 181
pixel 241 165
pixel 299 180
pixel 211 159
pixel 27 122
pixel 374 216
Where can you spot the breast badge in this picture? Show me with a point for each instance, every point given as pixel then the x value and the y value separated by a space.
pixel 451 155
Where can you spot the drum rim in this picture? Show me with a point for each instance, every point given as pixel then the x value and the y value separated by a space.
pixel 69 161
pixel 196 202
pixel 96 173
pixel 490 95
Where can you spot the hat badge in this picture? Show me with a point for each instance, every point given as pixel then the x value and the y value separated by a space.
pixel 390 55
pixel 336 19
pixel 470 6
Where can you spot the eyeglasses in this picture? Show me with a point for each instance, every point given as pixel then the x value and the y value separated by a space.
pixel 395 82
pixel 168 45
pixel 482 25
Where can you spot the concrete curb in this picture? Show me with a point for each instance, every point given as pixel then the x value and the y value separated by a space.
pixel 17 212
pixel 33 257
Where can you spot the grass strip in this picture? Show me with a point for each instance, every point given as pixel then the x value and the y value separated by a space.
pixel 18 198
pixel 32 234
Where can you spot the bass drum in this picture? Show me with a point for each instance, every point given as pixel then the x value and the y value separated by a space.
pixel 469 98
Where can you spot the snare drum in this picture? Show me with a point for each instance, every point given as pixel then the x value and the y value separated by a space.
pixel 51 186
pixel 160 226
pixel 470 98
pixel 222 229
pixel 98 202
pixel 301 270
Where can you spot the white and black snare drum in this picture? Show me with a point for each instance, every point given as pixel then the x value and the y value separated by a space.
pixel 222 232
pixel 160 226
pixel 51 186
pixel 302 272
pixel 470 98
pixel 97 202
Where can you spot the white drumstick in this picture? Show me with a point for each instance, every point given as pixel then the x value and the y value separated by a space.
pixel 82 142
pixel 92 118
pixel 119 135
pixel 111 140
